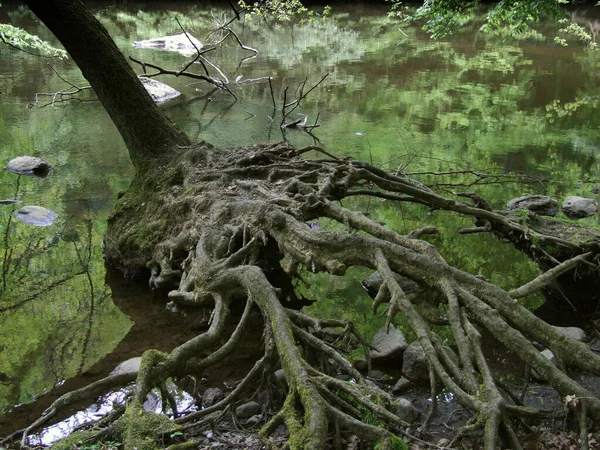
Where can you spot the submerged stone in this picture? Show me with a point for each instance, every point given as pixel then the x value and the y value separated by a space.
pixel 247 410
pixel 36 215
pixel 159 92
pixel 29 165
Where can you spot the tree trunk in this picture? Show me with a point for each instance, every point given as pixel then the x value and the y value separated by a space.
pixel 147 132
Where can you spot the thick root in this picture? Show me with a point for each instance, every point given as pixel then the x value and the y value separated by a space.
pixel 241 236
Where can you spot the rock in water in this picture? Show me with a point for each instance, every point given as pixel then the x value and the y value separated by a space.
pixel 36 215
pixel 180 43
pixel 131 365
pixel 28 165
pixel 159 92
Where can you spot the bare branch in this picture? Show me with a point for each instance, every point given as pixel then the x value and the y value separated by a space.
pixel 540 282
pixel 161 71
pixel 296 103
pixel 244 47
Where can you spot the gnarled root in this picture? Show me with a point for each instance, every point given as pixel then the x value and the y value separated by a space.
pixel 242 236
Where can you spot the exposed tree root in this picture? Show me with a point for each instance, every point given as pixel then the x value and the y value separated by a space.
pixel 225 227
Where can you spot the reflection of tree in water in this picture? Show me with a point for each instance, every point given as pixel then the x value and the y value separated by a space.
pixel 57 317
pixel 6 260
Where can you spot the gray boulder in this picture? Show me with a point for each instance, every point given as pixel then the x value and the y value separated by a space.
pixel 330 334
pixel 247 410
pixel 253 421
pixel 388 347
pixel 549 355
pixel 159 92
pixel 539 204
pixel 377 375
pixel 571 332
pixel 405 410
pixel 576 207
pixel 28 165
pixel 374 281
pixel 343 377
pixel 131 365
pixel 211 396
pixel 280 376
pixel 280 380
pixel 415 365
pixel 402 385
pixel 444 442
pixel 153 402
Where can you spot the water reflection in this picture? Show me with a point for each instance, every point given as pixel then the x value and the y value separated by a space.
pixel 57 316
pixel 393 97
pixel 62 429
pixel 107 404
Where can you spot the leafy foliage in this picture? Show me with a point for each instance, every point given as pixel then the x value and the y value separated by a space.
pixel 283 10
pixel 444 17
pixel 578 32
pixel 22 40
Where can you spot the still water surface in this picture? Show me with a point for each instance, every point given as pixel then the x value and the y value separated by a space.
pixel 523 110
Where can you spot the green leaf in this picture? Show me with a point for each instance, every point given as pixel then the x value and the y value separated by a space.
pixel 22 40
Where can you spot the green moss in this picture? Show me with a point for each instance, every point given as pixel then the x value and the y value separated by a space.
pixel 395 441
pixel 76 440
pixel 184 446
pixel 137 428
pixel 298 436
pixel 367 416
pixel 142 428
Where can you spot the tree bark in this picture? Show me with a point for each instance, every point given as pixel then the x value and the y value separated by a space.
pixel 146 130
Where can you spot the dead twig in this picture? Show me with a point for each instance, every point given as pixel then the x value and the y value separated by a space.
pixel 64 95
pixel 161 71
pixel 287 109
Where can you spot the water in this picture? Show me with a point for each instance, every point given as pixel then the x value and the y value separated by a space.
pixel 524 111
